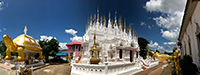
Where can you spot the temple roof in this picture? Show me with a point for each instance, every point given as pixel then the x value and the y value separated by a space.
pixel 74 43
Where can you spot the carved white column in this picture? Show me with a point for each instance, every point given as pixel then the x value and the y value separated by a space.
pixel 123 55
pixel 116 55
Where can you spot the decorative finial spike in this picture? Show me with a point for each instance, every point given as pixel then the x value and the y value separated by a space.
pixel 25 30
pixel 91 17
pixel 109 15
pixel 94 17
pixel 124 23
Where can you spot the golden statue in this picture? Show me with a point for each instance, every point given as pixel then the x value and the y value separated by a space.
pixel 19 44
pixel 161 57
pixel 176 60
pixel 24 69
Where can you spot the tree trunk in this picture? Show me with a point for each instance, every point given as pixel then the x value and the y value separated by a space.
pixel 47 58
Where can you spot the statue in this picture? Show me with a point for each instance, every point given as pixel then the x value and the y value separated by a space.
pixel 20 44
pixel 176 60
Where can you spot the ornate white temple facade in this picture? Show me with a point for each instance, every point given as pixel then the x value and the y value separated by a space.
pixel 119 49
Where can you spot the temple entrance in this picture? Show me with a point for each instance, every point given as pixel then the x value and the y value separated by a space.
pixel 131 56
pixel 120 53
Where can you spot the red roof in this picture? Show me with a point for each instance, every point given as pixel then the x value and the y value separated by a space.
pixel 74 43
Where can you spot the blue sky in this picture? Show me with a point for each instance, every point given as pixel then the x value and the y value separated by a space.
pixel 158 21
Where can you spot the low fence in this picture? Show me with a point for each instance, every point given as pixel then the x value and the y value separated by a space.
pixel 91 69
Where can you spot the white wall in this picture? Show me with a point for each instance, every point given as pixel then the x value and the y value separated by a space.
pixel 191 29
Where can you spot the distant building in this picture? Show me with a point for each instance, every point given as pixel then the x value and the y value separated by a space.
pixel 74 47
pixel 62 52
pixel 189 36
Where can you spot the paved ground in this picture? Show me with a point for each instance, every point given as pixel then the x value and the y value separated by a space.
pixel 61 69
pixel 161 69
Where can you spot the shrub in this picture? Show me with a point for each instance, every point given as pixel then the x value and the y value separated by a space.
pixel 57 59
pixel 187 67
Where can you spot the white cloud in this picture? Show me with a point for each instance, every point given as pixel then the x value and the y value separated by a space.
pixel 171 43
pixel 76 39
pixel 153 45
pixel 63 45
pixel 169 51
pixel 143 23
pixel 43 37
pixel 0 30
pixel 4 28
pixel 172 13
pixel 37 40
pixel 161 49
pixel 165 43
pixel 171 34
pixel 1 5
pixel 71 31
pixel 165 6
pixel 149 27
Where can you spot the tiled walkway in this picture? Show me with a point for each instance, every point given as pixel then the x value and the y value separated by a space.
pixel 161 69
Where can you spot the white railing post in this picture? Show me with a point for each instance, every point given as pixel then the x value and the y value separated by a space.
pixel 106 64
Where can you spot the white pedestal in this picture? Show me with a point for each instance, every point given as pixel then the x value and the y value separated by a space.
pixel 20 64
pixel 7 62
pixel 41 62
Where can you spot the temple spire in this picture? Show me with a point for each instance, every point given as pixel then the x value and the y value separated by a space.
pixel 104 21
pixel 98 14
pixel 94 17
pixel 109 21
pixel 120 23
pixel 116 20
pixel 101 21
pixel 124 25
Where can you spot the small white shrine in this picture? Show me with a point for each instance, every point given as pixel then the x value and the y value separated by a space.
pixel 117 49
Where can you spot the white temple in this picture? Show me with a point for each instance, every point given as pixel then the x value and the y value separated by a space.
pixel 119 49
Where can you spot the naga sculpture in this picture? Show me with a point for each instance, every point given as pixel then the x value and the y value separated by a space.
pixel 22 44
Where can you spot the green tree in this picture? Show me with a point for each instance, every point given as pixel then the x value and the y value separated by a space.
pixel 2 49
pixel 157 51
pixel 143 46
pixel 49 48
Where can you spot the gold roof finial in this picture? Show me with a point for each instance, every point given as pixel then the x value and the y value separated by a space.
pixel 136 34
pixel 109 15
pixel 97 10
pixel 91 17
pixel 130 27
pixel 120 20
pixel 133 32
pixel 112 24
pixel 94 17
pixel 104 21
pixel 87 24
pixel 25 30
pixel 101 19
pixel 98 14
pixel 115 15
pixel 124 23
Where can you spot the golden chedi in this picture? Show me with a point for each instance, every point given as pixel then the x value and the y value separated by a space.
pixel 94 53
pixel 21 44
